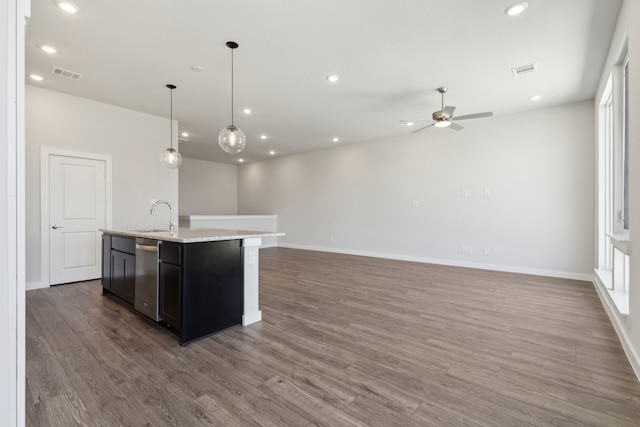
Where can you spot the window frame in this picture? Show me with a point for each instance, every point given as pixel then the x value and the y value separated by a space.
pixel 613 195
pixel 625 144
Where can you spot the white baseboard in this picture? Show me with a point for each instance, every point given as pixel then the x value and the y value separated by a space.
pixel 30 286
pixel 619 322
pixel 453 263
pixel 249 318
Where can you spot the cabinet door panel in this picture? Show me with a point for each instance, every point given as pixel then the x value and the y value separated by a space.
pixel 129 291
pixel 123 275
pixel 106 261
pixel 117 272
pixel 171 253
pixel 170 291
pixel 124 244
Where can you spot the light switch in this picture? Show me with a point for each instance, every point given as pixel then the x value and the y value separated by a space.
pixel 465 192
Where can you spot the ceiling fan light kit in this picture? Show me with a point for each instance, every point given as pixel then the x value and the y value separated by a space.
pixel 444 117
pixel 516 9
pixel 231 138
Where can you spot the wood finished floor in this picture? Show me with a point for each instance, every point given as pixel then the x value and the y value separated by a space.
pixel 344 341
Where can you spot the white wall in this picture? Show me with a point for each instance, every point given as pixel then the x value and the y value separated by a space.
pixel 12 282
pixel 208 188
pixel 628 327
pixel 538 217
pixel 134 140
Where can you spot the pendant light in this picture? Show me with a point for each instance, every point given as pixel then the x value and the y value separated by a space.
pixel 170 157
pixel 232 139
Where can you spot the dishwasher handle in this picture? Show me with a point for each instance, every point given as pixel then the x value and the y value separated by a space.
pixel 147 248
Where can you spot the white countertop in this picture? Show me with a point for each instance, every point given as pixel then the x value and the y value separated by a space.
pixel 194 235
pixel 241 217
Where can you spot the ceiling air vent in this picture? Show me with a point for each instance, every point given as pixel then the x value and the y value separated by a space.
pixel 525 69
pixel 66 73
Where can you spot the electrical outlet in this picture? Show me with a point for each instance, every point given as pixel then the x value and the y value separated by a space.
pixel 415 204
pixel 486 251
pixel 486 192
pixel 465 192
pixel 467 250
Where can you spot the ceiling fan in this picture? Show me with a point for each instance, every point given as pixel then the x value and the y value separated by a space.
pixel 445 118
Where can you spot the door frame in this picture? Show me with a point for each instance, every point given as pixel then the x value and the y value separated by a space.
pixel 45 153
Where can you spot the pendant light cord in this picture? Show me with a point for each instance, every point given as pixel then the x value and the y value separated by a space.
pixel 231 87
pixel 171 118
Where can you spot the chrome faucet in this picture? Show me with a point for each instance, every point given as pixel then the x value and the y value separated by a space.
pixel 164 202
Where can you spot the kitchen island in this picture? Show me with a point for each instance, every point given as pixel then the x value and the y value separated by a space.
pixel 206 279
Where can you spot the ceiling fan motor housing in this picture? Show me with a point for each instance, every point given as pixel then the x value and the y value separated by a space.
pixel 439 116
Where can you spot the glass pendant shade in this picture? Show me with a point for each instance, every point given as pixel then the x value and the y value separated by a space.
pixel 232 140
pixel 171 158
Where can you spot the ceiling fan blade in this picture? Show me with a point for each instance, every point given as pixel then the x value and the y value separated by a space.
pixel 423 128
pixel 455 126
pixel 449 110
pixel 474 116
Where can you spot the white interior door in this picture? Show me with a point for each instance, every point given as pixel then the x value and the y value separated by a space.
pixel 77 209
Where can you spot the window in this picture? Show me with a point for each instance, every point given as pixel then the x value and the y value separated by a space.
pixel 625 153
pixel 613 188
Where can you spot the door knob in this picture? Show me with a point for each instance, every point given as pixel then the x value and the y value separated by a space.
pixel 55 227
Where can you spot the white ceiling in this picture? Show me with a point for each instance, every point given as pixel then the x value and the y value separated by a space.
pixel 391 56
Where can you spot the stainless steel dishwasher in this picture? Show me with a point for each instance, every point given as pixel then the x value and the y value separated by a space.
pixel 146 295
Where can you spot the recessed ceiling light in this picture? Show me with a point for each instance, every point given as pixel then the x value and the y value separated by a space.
pixel 409 123
pixel 535 98
pixel 241 160
pixel 246 110
pixel 197 68
pixel 272 152
pixel 263 136
pixel 333 78
pixel 335 140
pixel 516 9
pixel 36 77
pixel 48 49
pixel 185 134
pixel 68 7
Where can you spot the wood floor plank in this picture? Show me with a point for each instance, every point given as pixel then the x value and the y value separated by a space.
pixel 344 340
pixel 219 416
pixel 65 409
pixel 587 399
pixel 312 409
pixel 432 415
